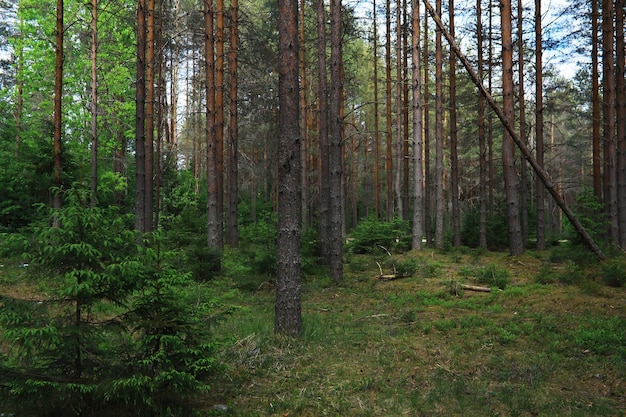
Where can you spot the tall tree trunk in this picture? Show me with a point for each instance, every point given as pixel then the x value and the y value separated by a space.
pixel 595 100
pixel 516 244
pixel 454 159
pixel 621 121
pixel 426 139
pixel 288 312
pixel 399 105
pixel 515 137
pixel 322 93
pixel 94 101
pixel 232 231
pixel 213 224
pixel 406 157
pixel 416 88
pixel 389 140
pixel 608 109
pixel 336 143
pixel 219 119
pixel 303 120
pixel 522 121
pixel 540 193
pixel 19 55
pixel 150 107
pixel 376 118
pixel 140 119
pixel 439 198
pixel 58 101
pixel 482 147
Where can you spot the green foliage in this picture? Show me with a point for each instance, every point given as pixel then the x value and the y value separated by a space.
pixel 375 236
pixel 590 213
pixel 603 336
pixel 493 276
pixel 497 237
pixel 122 327
pixel 614 273
pixel 258 244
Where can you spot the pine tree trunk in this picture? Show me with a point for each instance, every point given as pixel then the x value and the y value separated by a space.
pixel 303 120
pixel 232 231
pixel 58 101
pixel 482 147
pixel 398 143
pixel 516 245
pixel 389 140
pixel 140 120
pixel 213 225
pixel 219 119
pixel 426 138
pixel 454 159
pixel 376 118
pixel 595 92
pixel 322 93
pixel 150 108
pixel 439 197
pixel 94 101
pixel 288 313
pixel 621 121
pixel 336 143
pixel 608 110
pixel 541 217
pixel 416 87
pixel 522 122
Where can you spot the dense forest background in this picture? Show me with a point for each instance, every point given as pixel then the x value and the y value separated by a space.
pixel 556 112
pixel 148 146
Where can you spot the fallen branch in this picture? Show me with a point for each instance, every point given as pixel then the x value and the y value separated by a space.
pixel 475 288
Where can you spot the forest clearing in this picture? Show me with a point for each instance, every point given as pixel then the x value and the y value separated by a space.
pixel 549 339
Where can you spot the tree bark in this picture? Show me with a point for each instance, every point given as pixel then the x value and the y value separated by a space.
pixel 426 138
pixel 454 159
pixel 390 212
pixel 439 198
pixel 58 101
pixel 376 118
pixel 608 110
pixel 482 147
pixel 213 225
pixel 595 100
pixel 621 121
pixel 232 230
pixel 521 145
pixel 322 93
pixel 140 120
pixel 516 244
pixel 150 107
pixel 219 119
pixel 336 143
pixel 94 101
pixel 416 88
pixel 522 121
pixel 541 203
pixel 398 144
pixel 288 312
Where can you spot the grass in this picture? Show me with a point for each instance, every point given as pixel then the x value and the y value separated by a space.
pixel 411 347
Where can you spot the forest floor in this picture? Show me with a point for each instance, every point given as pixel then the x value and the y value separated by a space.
pixel 424 346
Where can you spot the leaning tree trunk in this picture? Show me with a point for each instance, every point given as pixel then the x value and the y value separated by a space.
pixel 587 239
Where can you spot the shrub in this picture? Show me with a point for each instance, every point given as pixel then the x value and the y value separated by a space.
pixel 374 236
pixel 614 274
pixel 493 276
